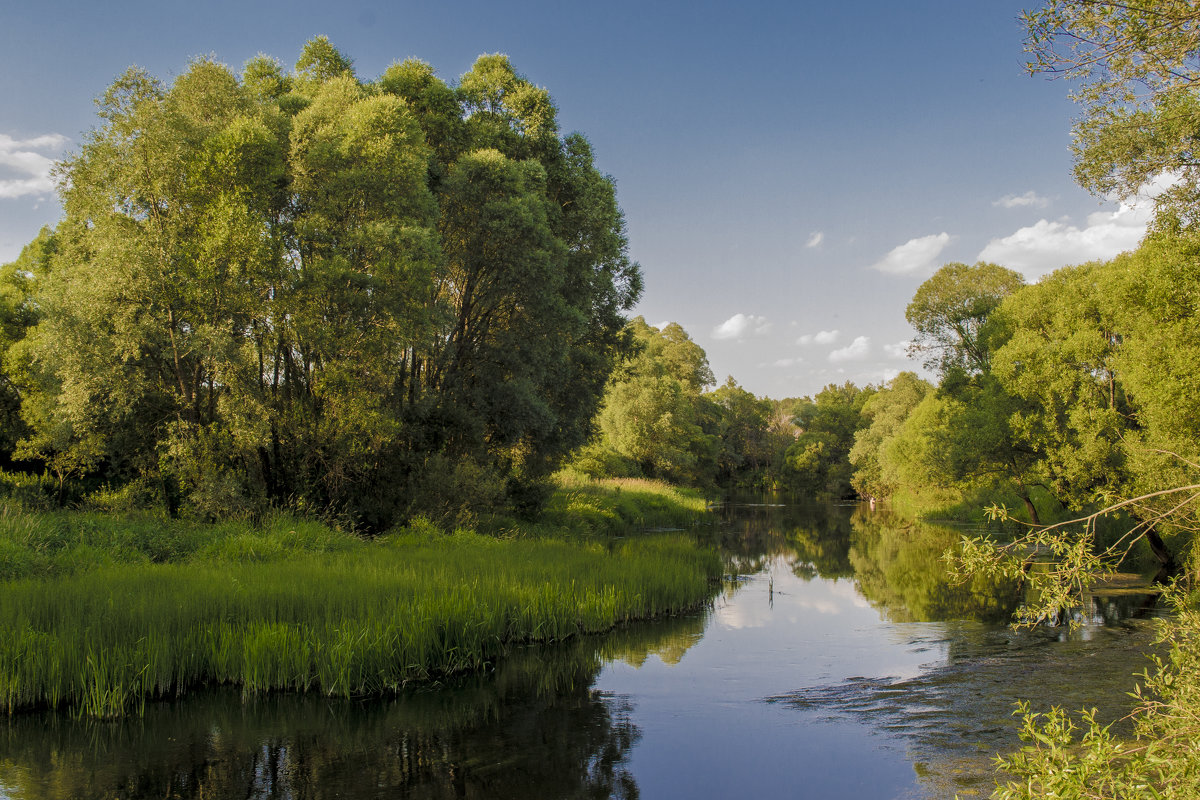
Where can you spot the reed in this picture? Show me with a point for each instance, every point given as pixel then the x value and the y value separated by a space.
pixel 307 608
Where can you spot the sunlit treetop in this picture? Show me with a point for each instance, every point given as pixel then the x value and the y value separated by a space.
pixel 1136 66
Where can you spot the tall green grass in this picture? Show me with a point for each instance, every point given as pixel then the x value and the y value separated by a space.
pixel 583 505
pixel 118 612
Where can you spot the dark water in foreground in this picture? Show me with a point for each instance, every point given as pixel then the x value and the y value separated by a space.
pixel 840 664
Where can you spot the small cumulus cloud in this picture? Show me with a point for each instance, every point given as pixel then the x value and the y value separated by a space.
pixel 897 350
pixel 815 239
pixel 914 256
pixel 663 324
pixel 1030 199
pixel 29 161
pixel 857 350
pixel 787 362
pixel 820 337
pixel 740 326
pixel 1047 245
pixel 888 374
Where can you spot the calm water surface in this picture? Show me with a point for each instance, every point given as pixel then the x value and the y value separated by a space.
pixel 836 662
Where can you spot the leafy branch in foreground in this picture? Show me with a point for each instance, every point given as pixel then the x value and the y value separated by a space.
pixel 1060 562
pixel 1072 754
pixel 1077 757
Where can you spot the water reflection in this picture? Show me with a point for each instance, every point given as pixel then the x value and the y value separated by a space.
pixel 896 564
pixel 957 714
pixel 534 728
pixel 899 567
pixel 881 678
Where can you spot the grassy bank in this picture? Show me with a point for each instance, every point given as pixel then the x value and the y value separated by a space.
pixel 100 613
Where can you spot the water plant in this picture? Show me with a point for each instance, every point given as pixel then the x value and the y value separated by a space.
pixel 296 605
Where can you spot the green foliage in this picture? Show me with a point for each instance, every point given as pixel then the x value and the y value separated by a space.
pixel 818 460
pixel 295 605
pixel 950 314
pixel 961 438
pixel 1061 362
pixel 1073 756
pixel 653 412
pixel 586 506
pixel 750 448
pixel 309 291
pixel 1136 72
pixel 18 313
pixel 876 473
pixel 657 421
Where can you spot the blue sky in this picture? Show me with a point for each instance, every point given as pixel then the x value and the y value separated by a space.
pixel 789 172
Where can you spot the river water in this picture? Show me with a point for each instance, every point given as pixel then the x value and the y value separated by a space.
pixel 837 661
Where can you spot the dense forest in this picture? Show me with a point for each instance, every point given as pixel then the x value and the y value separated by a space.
pixel 359 298
pixel 375 299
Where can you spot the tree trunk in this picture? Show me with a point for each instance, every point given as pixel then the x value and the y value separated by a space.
pixel 1029 506
pixel 1164 555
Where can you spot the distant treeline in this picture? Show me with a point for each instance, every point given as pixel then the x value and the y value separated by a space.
pixel 1053 397
pixel 1059 396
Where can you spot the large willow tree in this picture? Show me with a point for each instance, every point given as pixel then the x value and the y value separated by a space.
pixel 308 289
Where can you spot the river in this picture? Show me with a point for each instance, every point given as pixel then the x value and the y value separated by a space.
pixel 837 661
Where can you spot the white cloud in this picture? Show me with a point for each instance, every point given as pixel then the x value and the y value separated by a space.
pixel 887 374
pixel 914 256
pixel 1030 199
pixel 816 239
pixel 32 168
pixel 1045 246
pixel 663 324
pixel 820 337
pixel 787 362
pixel 897 350
pixel 855 351
pixel 741 325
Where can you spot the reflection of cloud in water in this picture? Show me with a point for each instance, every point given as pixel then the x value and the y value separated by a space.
pixel 756 606
pixel 741 614
pixel 849 590
pixel 820 606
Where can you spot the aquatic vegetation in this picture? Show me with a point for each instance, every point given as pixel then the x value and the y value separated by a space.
pixel 99 612
pixel 365 620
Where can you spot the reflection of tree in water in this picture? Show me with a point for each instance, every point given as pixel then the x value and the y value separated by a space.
pixel 900 569
pixel 669 639
pixel 534 728
pixel 897 564
pixel 813 537
pixel 820 544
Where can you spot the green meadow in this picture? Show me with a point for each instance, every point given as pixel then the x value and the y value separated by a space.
pixel 99 613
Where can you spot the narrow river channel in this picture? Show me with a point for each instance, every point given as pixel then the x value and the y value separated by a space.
pixel 836 662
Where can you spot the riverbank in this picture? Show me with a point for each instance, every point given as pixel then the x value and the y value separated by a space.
pixel 100 613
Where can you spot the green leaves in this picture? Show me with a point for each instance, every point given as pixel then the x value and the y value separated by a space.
pixel 1135 71
pixel 308 289
pixel 950 313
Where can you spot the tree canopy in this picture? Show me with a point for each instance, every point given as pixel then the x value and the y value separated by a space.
pixel 306 288
pixel 1136 69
